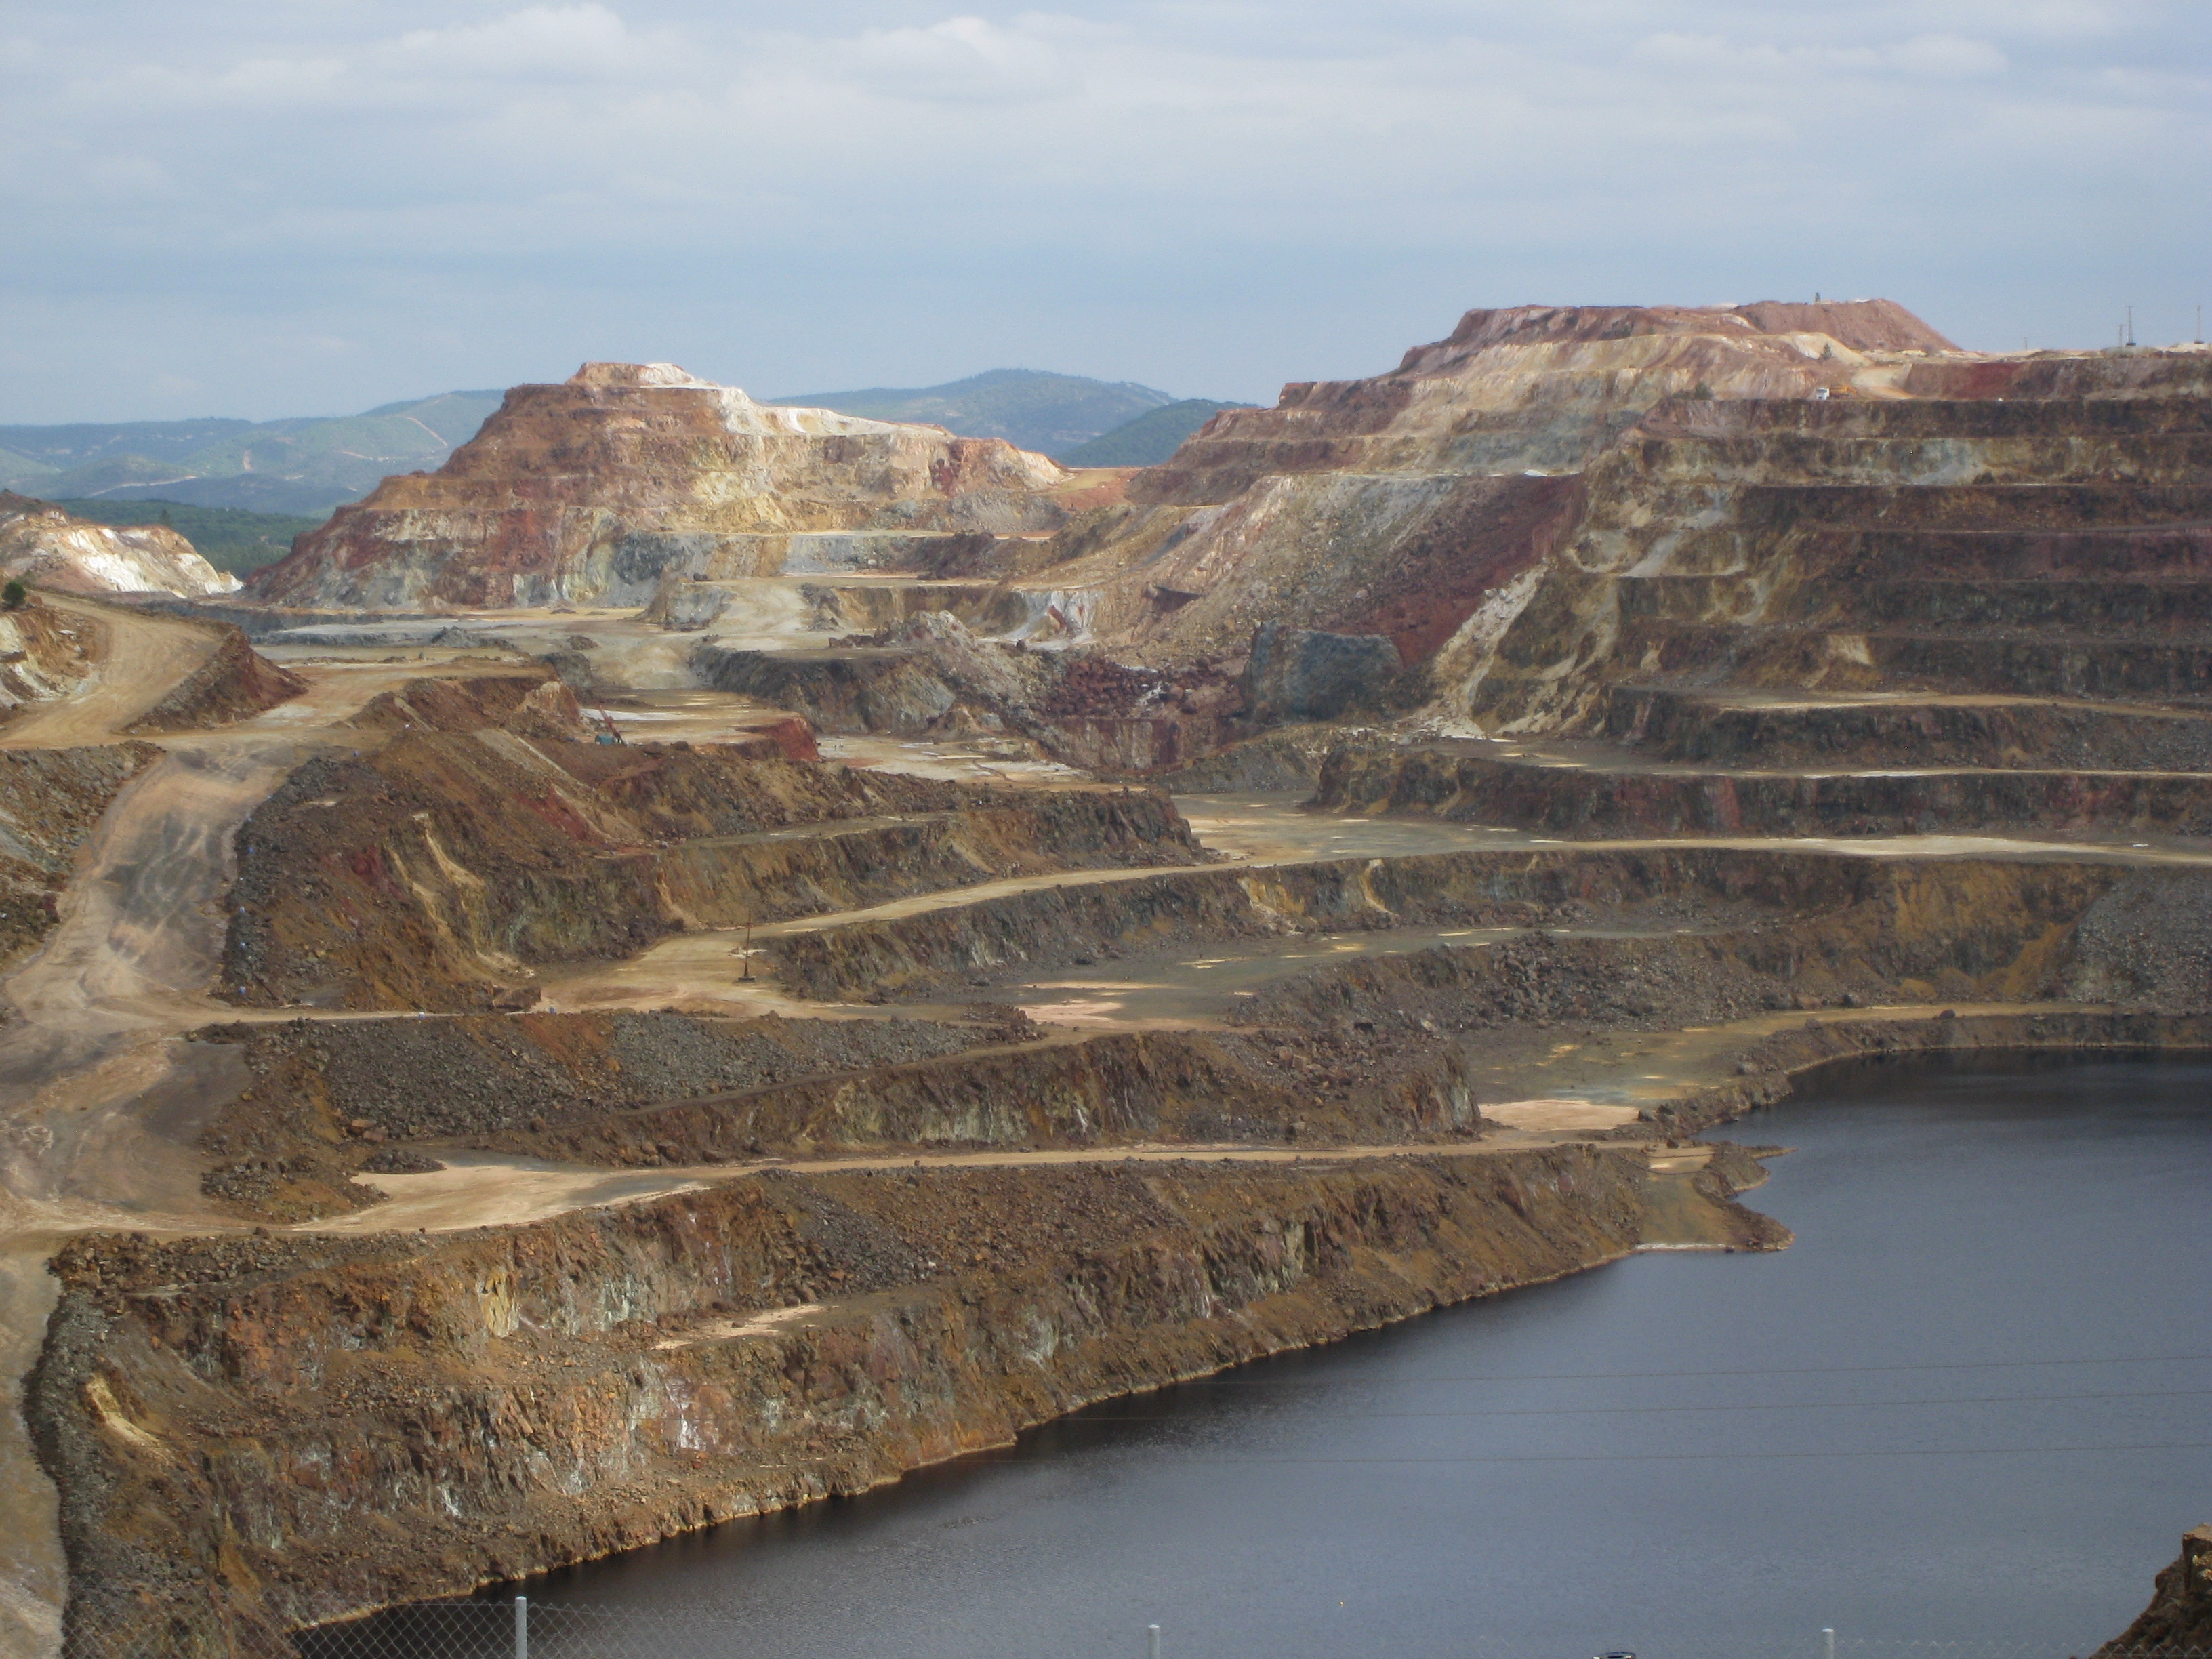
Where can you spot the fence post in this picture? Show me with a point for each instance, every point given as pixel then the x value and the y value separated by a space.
pixel 521 1627
pixel 1827 1644
pixel 1151 1642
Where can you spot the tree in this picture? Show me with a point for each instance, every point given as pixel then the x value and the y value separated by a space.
pixel 13 595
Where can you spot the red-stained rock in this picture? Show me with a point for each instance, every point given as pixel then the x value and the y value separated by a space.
pixel 595 489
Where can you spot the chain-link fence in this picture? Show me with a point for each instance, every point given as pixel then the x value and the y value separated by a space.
pixel 522 1629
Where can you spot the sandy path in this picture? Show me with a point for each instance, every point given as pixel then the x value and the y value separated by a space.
pixel 99 1106
pixel 476 1190
pixel 145 654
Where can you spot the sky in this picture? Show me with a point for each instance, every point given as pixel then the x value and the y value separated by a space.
pixel 262 208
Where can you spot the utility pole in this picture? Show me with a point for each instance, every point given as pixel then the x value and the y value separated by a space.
pixel 2131 324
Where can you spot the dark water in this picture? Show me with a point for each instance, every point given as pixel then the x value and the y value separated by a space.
pixel 1970 1402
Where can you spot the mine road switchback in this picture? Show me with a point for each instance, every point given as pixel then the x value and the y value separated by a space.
pixel 507 1127
pixel 106 1106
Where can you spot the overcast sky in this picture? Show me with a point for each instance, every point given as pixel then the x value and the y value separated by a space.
pixel 276 207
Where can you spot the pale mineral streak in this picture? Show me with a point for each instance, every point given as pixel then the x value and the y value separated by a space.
pixel 46 547
pixel 595 490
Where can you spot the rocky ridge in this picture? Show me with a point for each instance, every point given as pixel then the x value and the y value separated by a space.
pixel 44 546
pixel 597 490
pixel 584 1384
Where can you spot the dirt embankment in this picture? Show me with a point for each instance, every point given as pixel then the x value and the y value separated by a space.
pixel 331 1105
pixel 439 869
pixel 51 802
pixel 1769 1069
pixel 232 684
pixel 330 1100
pixel 45 653
pixel 1826 925
pixel 254 1434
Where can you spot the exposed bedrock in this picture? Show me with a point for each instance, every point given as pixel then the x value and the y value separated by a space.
pixel 328 1101
pixel 45 546
pixel 251 1435
pixel 52 801
pixel 1298 674
pixel 439 869
pixel 860 606
pixel 1104 1090
pixel 1419 504
pixel 1849 546
pixel 1541 386
pixel 1769 1068
pixel 1828 924
pixel 1989 730
pixel 930 675
pixel 1570 791
pixel 599 488
pixel 2179 1617
pixel 234 682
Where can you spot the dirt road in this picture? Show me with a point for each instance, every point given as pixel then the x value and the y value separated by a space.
pixel 144 655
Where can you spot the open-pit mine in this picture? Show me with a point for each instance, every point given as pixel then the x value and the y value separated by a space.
pixel 705 956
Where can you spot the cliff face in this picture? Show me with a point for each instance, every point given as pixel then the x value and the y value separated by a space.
pixel 597 488
pixel 42 545
pixel 254 1434
pixel 439 869
pixel 2179 1619
pixel 1408 504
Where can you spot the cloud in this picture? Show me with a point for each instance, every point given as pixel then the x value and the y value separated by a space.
pixel 960 59
pixel 1951 57
pixel 589 41
pixel 1193 188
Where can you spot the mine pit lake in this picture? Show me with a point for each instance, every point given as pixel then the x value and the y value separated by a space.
pixel 1969 1404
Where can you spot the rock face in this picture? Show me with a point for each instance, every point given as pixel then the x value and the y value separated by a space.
pixel 1405 504
pixel 44 546
pixel 598 488
pixel 2179 1618
pixel 252 1434
pixel 487 836
pixel 51 802
pixel 1857 616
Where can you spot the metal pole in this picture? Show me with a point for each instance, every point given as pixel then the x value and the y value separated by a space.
pixel 521 1627
pixel 1151 1642
pixel 1827 1644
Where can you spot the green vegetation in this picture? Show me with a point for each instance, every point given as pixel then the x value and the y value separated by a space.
pixel 226 536
pixel 1028 407
pixel 13 595
pixel 1148 440
pixel 282 468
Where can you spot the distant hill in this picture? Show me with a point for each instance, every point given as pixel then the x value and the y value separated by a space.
pixel 227 538
pixel 1028 407
pixel 306 466
pixel 1148 440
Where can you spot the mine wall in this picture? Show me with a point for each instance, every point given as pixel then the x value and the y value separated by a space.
pixel 235 683
pixel 252 1434
pixel 1776 1067
pixel 1490 790
pixel 51 800
pixel 1829 923
pixel 439 870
